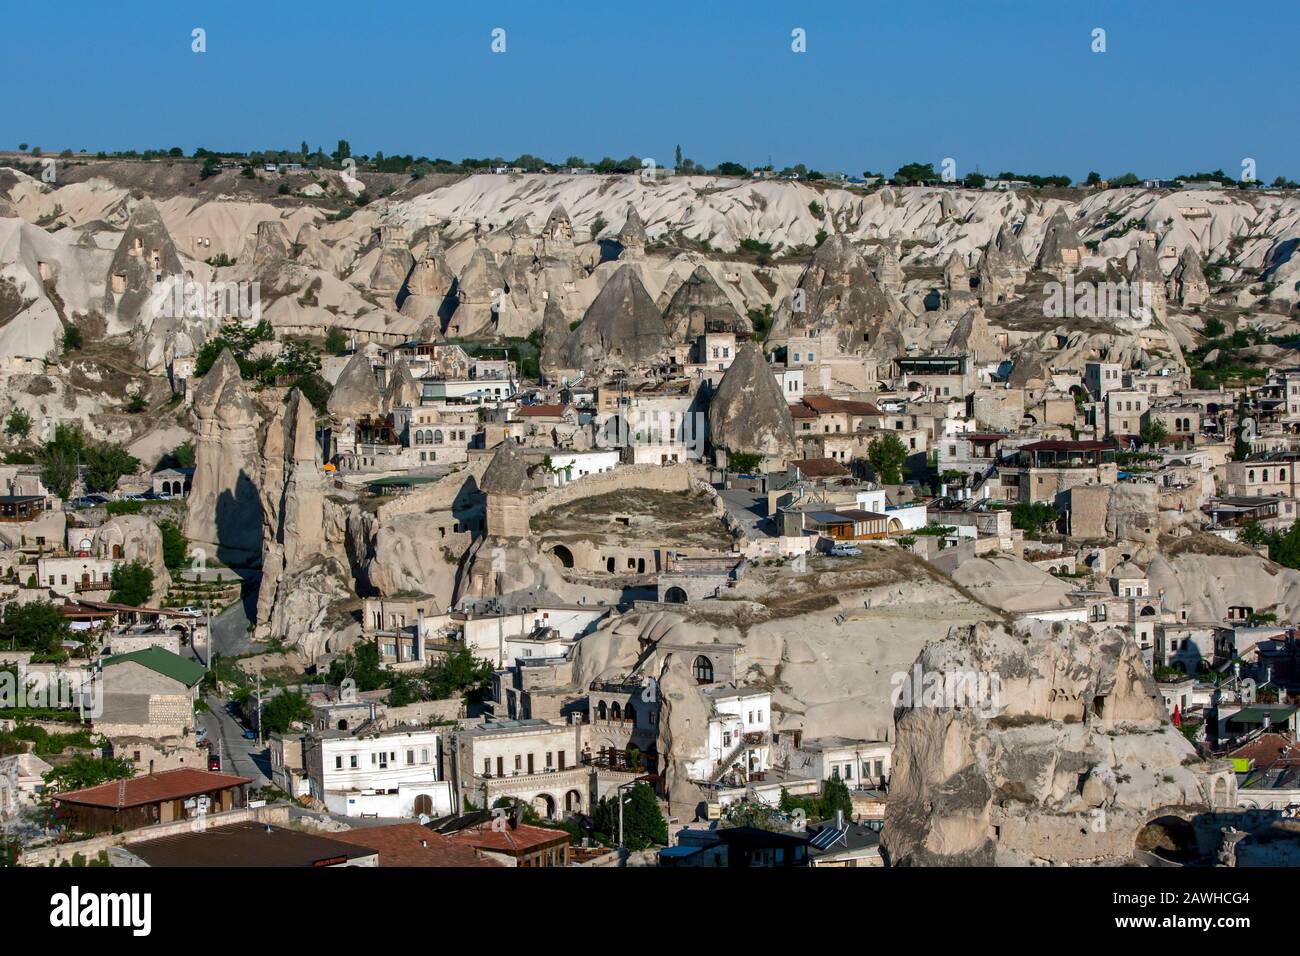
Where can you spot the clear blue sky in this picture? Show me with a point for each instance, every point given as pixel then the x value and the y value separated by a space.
pixel 1000 84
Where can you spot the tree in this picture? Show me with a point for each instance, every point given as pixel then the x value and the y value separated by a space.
pixel 677 157
pixel 363 668
pixel 18 424
pixel 732 169
pixel 37 625
pixel 175 546
pixel 335 340
pixel 183 455
pixel 82 771
pixel 132 584
pixel 460 672
pixel 886 455
pixel 106 463
pixel 835 796
pixel 283 710
pixel 975 181
pixel 60 459
pixel 643 822
pixel 915 173
pixel 1033 517
pixel 1153 432
pixel 72 338
pixel 744 463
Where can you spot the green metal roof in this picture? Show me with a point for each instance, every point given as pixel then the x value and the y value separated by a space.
pixel 164 662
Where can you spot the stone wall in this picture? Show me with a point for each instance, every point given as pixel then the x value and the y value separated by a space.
pixel 652 477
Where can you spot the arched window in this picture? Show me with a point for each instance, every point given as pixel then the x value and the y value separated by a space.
pixel 437 437
pixel 419 438
pixel 629 714
pixel 601 712
pixel 615 712
pixel 703 670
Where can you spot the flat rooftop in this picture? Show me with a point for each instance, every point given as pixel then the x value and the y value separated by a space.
pixel 248 844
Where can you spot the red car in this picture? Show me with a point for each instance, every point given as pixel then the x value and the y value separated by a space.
pixel 214 762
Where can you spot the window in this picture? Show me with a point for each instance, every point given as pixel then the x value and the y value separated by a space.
pixel 352 761
pixel 338 762
pixel 549 759
pixel 410 757
pixel 519 763
pixel 487 766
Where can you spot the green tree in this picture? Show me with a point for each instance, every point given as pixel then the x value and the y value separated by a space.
pixel 105 463
pixel 1033 517
pixel 361 666
pixel 132 584
pixel 283 710
pixel 60 459
pixel 18 424
pixel 183 455
pixel 643 822
pixel 744 463
pixel 459 673
pixel 1094 179
pixel 175 546
pixel 72 339
pixel 1153 432
pixel 835 796
pixel 82 771
pixel 886 455
pixel 335 340
pixel 915 173
pixel 38 626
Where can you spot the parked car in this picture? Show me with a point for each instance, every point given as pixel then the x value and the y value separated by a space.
pixel 250 734
pixel 846 550
pixel 214 762
pixel 135 497
pixel 190 611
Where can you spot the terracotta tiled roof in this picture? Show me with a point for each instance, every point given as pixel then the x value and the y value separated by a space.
pixel 511 840
pixel 801 411
pixel 152 788
pixel 540 411
pixel 409 844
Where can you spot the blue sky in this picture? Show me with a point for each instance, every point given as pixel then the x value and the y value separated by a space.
pixel 1000 84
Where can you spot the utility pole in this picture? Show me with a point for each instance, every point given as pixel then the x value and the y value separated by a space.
pixel 259 711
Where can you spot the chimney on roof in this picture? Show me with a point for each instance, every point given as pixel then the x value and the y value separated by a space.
pixel 839 819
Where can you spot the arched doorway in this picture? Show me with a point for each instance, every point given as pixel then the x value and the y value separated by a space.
pixel 544 804
pixel 573 802
pixel 703 670
pixel 423 805
pixel 1170 838
pixel 675 595
pixel 343 725
pixel 562 554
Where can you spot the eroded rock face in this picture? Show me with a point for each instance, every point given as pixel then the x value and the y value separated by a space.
pixel 1061 248
pixel 622 327
pixel 145 255
pixel 699 305
pixel 224 513
pixel 306 614
pixel 293 499
pixel 134 538
pixel 356 393
pixel 555 339
pixel 748 413
pixel 838 296
pixel 272 244
pixel 1055 750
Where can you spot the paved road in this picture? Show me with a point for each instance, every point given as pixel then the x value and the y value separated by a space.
pixel 238 755
pixel 749 509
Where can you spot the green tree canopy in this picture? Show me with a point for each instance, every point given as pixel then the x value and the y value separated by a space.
pixel 82 771
pixel 105 463
pixel 37 625
pixel 643 822
pixel 283 710
pixel 886 455
pixel 132 584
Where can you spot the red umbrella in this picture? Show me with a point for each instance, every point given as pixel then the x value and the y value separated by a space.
pixel 1178 718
